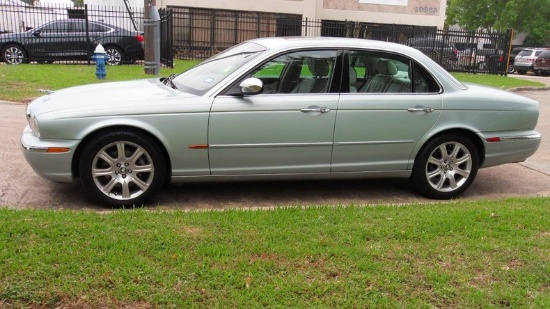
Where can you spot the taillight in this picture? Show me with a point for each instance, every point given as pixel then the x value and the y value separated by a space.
pixel 139 37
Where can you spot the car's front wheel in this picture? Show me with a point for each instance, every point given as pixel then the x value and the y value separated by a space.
pixel 115 55
pixel 14 54
pixel 445 167
pixel 122 168
pixel 511 69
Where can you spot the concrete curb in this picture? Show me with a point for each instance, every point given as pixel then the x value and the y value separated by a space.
pixel 528 88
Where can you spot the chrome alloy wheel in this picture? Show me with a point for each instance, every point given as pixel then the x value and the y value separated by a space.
pixel 449 166
pixel 14 55
pixel 123 170
pixel 115 56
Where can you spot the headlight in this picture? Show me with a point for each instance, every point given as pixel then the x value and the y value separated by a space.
pixel 33 124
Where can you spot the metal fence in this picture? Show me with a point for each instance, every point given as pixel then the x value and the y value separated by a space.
pixel 200 33
pixel 195 33
pixel 68 34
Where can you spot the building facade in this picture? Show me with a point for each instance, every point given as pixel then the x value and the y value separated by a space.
pixel 404 12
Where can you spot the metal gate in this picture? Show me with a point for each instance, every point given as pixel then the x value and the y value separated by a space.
pixel 166 39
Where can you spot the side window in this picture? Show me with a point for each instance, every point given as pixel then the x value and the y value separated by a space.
pixel 79 26
pixel 423 82
pixel 298 72
pixel 97 28
pixel 56 27
pixel 379 72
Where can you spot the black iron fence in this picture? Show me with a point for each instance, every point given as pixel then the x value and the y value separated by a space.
pixel 195 33
pixel 70 34
pixel 200 33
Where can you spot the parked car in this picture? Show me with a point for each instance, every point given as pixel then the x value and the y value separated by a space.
pixel 435 48
pixel 542 64
pixel 512 57
pixel 525 60
pixel 281 108
pixel 69 40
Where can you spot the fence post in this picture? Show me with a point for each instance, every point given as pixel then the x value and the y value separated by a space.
pixel 89 42
pixel 212 32
pixel 509 37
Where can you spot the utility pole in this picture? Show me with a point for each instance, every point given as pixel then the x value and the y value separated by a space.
pixel 151 43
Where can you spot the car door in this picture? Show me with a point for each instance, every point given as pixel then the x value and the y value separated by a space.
pixel 51 41
pixel 378 127
pixel 286 129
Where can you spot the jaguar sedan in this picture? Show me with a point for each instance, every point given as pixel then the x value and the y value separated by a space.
pixel 281 108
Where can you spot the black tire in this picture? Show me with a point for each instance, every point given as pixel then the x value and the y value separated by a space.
pixel 115 54
pixel 511 69
pixel 445 167
pixel 481 65
pixel 522 72
pixel 14 54
pixel 122 180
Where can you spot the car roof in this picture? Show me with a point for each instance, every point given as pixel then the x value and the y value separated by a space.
pixel 284 43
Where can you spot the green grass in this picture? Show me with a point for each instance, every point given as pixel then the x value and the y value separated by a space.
pixel 497 81
pixel 20 83
pixel 450 255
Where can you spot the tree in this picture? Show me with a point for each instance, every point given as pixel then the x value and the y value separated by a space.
pixel 530 16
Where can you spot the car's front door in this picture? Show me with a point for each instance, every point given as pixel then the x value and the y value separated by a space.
pixel 286 129
pixel 379 125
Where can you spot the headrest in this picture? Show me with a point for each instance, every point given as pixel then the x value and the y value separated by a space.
pixel 319 67
pixel 352 75
pixel 386 67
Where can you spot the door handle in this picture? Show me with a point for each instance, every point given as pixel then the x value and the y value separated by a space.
pixel 420 109
pixel 321 110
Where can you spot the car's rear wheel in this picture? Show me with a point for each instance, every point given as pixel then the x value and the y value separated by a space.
pixel 122 168
pixel 445 167
pixel 14 54
pixel 481 65
pixel 522 72
pixel 115 55
pixel 511 69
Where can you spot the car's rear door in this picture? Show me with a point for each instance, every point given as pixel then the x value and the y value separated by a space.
pixel 377 128
pixel 288 128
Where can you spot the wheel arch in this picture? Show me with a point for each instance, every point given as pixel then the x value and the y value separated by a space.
pixel 79 149
pixel 476 139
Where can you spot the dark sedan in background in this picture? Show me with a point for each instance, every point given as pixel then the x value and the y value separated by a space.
pixel 71 39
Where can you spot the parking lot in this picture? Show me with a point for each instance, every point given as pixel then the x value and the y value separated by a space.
pixel 21 188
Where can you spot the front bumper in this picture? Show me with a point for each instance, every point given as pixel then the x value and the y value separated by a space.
pixel 54 166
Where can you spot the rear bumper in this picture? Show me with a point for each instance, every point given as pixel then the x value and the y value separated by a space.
pixel 512 147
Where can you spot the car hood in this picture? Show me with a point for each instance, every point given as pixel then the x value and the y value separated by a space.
pixel 107 99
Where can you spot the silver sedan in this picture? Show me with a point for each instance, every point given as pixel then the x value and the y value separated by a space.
pixel 281 108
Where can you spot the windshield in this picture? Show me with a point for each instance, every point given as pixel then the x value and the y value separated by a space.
pixel 201 78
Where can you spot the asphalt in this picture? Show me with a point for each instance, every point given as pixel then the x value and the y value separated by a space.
pixel 21 188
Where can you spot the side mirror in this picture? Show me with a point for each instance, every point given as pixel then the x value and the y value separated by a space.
pixel 36 33
pixel 251 85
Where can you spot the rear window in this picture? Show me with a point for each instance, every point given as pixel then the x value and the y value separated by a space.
pixel 526 52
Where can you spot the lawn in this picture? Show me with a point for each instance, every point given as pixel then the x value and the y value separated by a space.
pixel 459 254
pixel 20 83
pixel 482 254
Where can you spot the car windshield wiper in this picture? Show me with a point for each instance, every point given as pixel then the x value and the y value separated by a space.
pixel 228 56
pixel 168 81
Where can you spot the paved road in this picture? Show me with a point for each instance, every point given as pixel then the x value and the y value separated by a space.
pixel 20 187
